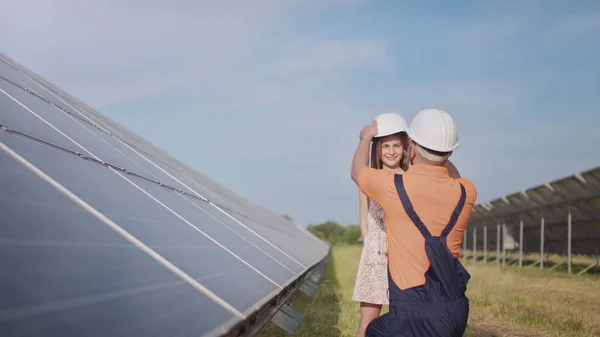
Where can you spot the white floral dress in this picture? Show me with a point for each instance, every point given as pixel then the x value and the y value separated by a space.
pixel 372 279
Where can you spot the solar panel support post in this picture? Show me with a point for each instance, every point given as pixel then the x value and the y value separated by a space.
pixel 542 241
pixel 498 244
pixel 521 242
pixel 485 257
pixel 287 318
pixel 315 277
pixel 503 242
pixel 475 244
pixel 569 240
pixel 309 287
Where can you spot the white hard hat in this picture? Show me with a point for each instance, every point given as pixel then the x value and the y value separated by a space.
pixel 435 130
pixel 389 124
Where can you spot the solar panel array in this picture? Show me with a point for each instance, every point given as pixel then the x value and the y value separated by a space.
pixel 545 211
pixel 104 234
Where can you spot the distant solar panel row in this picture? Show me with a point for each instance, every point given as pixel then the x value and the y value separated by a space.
pixel 544 212
pixel 105 235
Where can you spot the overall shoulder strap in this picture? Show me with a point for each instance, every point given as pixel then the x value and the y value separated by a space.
pixel 457 210
pixel 408 207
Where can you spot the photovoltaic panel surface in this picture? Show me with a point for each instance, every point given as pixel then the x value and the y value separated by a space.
pixel 67 273
pixel 135 228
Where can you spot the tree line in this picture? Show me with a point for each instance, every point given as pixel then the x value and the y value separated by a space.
pixel 334 233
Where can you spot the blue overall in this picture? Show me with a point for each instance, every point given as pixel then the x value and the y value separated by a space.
pixel 438 308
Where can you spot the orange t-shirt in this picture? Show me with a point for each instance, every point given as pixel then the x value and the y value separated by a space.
pixel 434 195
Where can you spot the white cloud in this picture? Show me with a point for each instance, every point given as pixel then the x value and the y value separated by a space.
pixel 331 57
pixel 112 51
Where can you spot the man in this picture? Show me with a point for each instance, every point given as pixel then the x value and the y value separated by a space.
pixel 426 213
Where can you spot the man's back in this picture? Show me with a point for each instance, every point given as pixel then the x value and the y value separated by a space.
pixel 434 195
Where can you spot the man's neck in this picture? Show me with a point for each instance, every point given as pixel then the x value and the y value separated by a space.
pixel 422 161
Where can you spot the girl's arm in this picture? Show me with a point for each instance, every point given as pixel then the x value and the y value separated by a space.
pixel 362 213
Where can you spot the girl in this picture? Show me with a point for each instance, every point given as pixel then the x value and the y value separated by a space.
pixel 388 152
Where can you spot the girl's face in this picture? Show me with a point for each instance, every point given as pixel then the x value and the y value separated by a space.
pixel 391 151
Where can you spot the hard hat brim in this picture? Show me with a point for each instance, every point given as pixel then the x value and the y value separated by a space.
pixel 383 134
pixel 428 146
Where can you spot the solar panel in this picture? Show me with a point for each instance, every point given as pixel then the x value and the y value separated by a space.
pixel 107 235
pixel 578 195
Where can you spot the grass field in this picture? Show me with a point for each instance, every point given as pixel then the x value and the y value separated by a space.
pixel 504 302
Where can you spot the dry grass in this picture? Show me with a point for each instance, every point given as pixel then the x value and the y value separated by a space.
pixel 546 302
pixel 504 302
pixel 559 262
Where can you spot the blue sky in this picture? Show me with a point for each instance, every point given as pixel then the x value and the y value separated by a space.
pixel 267 97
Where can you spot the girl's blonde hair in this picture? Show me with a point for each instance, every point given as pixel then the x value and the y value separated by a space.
pixel 376 161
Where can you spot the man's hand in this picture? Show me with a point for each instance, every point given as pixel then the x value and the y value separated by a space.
pixel 368 132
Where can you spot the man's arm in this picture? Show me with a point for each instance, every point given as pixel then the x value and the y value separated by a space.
pixel 361 159
pixel 361 155
pixel 455 237
pixel 370 181
pixel 452 170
